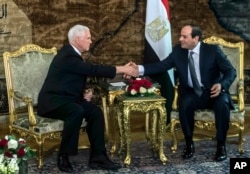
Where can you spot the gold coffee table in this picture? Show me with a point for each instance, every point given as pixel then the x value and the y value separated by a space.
pixel 146 104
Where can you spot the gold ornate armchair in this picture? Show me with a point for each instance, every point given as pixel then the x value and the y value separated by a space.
pixel 204 119
pixel 25 71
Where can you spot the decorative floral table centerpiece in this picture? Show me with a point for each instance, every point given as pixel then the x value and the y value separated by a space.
pixel 140 87
pixel 14 155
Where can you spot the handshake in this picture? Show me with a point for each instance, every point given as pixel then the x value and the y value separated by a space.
pixel 129 70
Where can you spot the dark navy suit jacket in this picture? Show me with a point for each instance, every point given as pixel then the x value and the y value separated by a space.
pixel 214 67
pixel 66 79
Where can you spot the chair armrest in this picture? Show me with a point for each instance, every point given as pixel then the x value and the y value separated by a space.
pixel 157 91
pixel 28 101
pixel 16 95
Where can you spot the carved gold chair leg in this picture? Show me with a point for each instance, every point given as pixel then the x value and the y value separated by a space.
pixel 241 140
pixel 40 153
pixel 173 133
pixel 105 113
pixel 113 119
pixel 147 117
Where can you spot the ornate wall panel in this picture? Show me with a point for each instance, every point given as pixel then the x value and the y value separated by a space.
pixel 233 16
pixel 15 29
pixel 117 26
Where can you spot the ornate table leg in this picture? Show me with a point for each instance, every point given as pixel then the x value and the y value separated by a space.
pixel 152 123
pixel 121 129
pixel 126 123
pixel 150 126
pixel 112 119
pixel 112 130
pixel 161 130
pixel 153 139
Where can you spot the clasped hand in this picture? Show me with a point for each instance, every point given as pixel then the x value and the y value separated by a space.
pixel 88 94
pixel 133 70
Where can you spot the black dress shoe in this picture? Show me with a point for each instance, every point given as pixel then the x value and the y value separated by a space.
pixel 103 162
pixel 63 163
pixel 221 154
pixel 188 151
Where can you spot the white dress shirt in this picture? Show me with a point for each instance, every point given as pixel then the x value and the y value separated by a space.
pixel 196 56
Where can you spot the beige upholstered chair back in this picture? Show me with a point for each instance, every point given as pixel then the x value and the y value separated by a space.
pixel 27 69
pixel 235 53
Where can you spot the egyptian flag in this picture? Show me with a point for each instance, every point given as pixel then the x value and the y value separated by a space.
pixel 158 45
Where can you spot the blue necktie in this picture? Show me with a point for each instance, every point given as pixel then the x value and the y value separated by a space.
pixel 196 85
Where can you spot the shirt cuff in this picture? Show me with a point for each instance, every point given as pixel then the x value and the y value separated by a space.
pixel 141 70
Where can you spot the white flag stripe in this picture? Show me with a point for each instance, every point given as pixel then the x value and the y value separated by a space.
pixel 158 30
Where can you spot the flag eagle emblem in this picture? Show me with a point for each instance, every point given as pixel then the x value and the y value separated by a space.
pixel 157 29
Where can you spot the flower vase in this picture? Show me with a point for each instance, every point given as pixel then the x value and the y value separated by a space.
pixel 23 167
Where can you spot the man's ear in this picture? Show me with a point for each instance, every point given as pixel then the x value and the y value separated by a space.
pixel 196 38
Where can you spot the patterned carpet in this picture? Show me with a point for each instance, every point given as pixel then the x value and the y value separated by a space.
pixel 144 162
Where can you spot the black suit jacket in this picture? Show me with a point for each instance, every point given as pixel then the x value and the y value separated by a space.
pixel 214 67
pixel 66 79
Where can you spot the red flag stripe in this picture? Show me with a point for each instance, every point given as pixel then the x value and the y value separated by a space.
pixel 165 3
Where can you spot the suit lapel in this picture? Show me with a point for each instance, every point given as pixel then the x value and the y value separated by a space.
pixel 202 59
pixel 185 59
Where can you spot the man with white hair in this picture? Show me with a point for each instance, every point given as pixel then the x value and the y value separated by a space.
pixel 62 97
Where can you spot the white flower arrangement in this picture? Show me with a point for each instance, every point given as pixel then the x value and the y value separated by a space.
pixel 12 152
pixel 140 86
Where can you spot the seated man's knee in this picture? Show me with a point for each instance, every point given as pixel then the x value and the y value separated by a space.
pixel 95 115
pixel 75 110
pixel 97 112
pixel 221 102
pixel 186 103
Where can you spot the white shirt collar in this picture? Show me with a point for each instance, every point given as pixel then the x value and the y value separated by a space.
pixel 196 48
pixel 76 50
